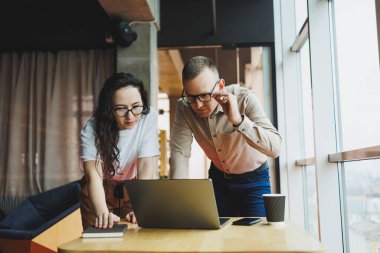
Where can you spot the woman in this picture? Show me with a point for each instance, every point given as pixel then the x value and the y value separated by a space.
pixel 118 143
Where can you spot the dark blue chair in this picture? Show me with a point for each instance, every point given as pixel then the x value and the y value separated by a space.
pixel 36 215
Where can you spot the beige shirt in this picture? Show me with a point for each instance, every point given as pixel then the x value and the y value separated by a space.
pixel 232 149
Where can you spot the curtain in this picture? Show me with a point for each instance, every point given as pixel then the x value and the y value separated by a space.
pixel 45 99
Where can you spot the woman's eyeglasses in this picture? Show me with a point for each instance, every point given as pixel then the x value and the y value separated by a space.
pixel 206 97
pixel 123 111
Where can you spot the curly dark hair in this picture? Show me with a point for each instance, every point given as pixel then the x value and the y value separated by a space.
pixel 105 126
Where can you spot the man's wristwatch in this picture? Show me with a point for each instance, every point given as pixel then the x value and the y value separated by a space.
pixel 242 119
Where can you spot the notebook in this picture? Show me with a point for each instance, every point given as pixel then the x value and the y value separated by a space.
pixel 117 230
pixel 175 203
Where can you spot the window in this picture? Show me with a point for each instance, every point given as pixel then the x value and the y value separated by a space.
pixel 337 111
pixel 358 84
pixel 363 205
pixel 301 13
pixel 358 72
pixel 309 177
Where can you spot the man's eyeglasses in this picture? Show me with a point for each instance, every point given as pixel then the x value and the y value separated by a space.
pixel 206 97
pixel 136 110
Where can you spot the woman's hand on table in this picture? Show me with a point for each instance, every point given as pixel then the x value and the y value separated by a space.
pixel 130 217
pixel 106 220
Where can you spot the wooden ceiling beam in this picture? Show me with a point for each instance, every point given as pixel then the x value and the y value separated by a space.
pixel 175 55
pixel 169 78
pixel 131 10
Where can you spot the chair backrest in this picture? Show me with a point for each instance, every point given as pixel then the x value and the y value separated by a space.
pixel 39 212
pixel 2 214
pixel 51 203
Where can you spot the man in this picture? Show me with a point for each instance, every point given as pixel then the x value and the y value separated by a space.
pixel 232 129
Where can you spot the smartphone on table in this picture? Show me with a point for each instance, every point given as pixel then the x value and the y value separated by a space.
pixel 246 221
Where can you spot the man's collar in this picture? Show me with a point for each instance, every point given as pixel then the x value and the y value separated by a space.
pixel 217 110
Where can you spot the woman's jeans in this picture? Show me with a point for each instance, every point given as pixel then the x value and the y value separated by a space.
pixel 240 195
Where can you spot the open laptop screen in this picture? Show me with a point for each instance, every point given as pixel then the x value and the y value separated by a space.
pixel 176 203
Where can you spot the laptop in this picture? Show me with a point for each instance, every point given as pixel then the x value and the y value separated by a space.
pixel 175 203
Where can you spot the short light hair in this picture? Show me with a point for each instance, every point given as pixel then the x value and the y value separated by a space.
pixel 196 65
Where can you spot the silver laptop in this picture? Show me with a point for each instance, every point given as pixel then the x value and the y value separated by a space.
pixel 175 203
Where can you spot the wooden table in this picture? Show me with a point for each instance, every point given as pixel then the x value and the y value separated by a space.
pixel 257 238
